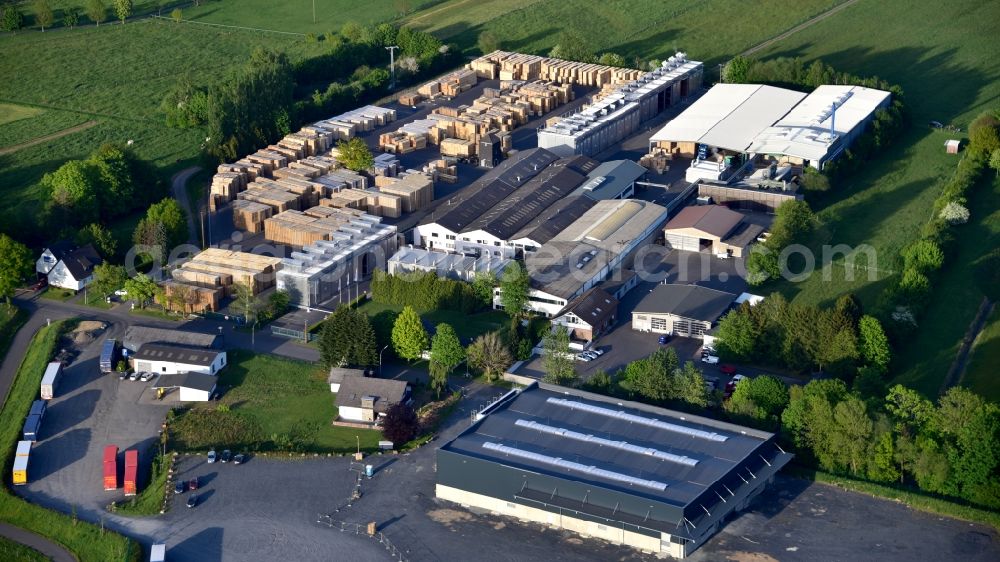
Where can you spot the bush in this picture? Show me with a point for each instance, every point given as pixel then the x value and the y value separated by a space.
pixel 424 291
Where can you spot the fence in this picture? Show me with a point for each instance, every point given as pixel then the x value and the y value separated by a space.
pixel 293 334
pixel 361 530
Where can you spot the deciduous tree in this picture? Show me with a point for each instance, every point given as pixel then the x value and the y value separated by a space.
pixel 15 266
pixel 557 359
pixel 689 385
pixel 400 424
pixel 108 278
pixel 123 9
pixel 488 42
pixel 71 16
pixel 489 354
pixel 409 338
pixel 355 155
pixel 446 354
pixel 12 19
pixel 73 193
pixel 874 344
pixel 141 289
pixel 43 13
pixel 514 289
pixel 97 11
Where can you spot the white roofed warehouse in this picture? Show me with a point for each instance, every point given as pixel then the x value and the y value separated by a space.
pixel 632 474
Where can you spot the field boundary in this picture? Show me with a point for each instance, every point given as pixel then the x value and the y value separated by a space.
pixel 804 25
pixel 956 374
pixel 196 22
pixel 46 138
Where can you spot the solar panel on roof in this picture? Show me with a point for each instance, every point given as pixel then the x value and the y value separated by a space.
pixel 570 465
pixel 651 422
pixel 621 445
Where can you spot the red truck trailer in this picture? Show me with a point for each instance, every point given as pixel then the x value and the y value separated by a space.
pixel 111 467
pixel 131 470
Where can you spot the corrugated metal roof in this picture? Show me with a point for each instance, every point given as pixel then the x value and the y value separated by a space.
pixel 611 223
pixel 715 220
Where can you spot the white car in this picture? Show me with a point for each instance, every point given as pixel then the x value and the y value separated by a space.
pixel 147 376
pixel 584 357
pixel 211 456
pixel 596 351
pixel 710 359
pixel 121 293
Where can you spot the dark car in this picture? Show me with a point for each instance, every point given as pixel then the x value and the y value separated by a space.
pixel 728 369
pixel 193 484
pixel 239 459
pixel 664 339
pixel 179 487
pixel 227 455
pixel 192 500
pixel 40 284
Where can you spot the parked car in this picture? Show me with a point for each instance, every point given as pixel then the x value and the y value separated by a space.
pixel 737 378
pixel 711 385
pixel 597 351
pixel 211 456
pixel 591 354
pixel 40 284
pixel 123 375
pixel 193 484
pixel 192 500
pixel 728 369
pixel 731 385
pixel 227 455
pixel 134 376
pixel 664 339
pixel 583 357
pixel 179 487
pixel 710 359
pixel 145 377
pixel 121 293
pixel 239 459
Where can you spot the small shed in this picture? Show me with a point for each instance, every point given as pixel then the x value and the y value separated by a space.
pixel 951 146
pixel 193 387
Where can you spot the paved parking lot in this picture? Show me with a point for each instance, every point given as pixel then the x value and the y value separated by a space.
pixel 89 411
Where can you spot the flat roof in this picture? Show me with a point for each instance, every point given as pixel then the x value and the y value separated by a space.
pixel 625 446
pixel 177 354
pixel 610 178
pixel 730 116
pixel 805 132
pixel 687 301
pixel 196 381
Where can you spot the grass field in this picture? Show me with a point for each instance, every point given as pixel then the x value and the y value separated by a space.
pixel 10 113
pixel 149 501
pixel 708 31
pixel 11 551
pixel 116 75
pixel 280 397
pixel 981 373
pixel 87 541
pixel 935 53
pixel 465 325
pixel 296 15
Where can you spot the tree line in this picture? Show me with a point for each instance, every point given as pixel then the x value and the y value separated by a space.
pixel 793 223
pixel 908 294
pixel 267 98
pixel 45 15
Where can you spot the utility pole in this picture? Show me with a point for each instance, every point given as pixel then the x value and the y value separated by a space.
pixel 314 11
pixel 203 230
pixel 392 65
pixel 721 81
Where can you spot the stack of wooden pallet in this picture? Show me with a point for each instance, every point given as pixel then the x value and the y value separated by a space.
pixel 402 142
pixel 348 198
pixel 458 148
pixel 182 297
pixel 217 268
pixel 516 66
pixel 276 198
pixel 301 229
pixel 250 215
pixel 385 165
pixel 415 190
pixel 450 84
pixel 410 98
pixel 657 160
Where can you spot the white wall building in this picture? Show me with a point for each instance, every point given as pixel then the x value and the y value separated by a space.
pixel 67 266
pixel 171 360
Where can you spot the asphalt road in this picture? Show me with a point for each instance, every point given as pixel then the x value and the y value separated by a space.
pixel 178 186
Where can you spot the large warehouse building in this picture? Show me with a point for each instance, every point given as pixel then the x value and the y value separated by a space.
pixel 733 121
pixel 511 210
pixel 622 112
pixel 637 475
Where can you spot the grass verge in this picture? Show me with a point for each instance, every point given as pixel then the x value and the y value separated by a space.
pixel 980 375
pixel 150 501
pixel 57 294
pixel 17 552
pixel 11 320
pixel 87 541
pixel 910 498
